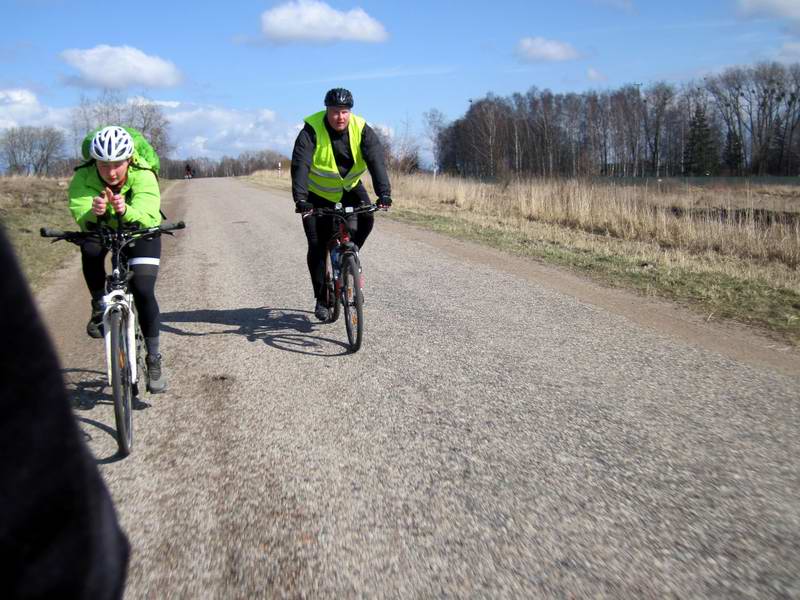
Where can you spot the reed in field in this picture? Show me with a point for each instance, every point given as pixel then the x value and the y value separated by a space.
pixel 693 219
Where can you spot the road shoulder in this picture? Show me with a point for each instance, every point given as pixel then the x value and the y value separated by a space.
pixel 737 342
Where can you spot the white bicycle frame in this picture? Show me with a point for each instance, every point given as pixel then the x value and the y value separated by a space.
pixel 117 300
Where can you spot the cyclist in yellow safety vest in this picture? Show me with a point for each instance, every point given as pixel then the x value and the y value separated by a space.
pixel 331 154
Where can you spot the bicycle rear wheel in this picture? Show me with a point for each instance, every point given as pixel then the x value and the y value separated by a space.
pixel 352 301
pixel 121 385
pixel 331 299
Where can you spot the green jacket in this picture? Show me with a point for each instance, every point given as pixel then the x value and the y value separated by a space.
pixel 141 192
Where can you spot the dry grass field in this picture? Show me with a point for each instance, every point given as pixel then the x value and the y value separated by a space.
pixel 761 224
pixel 727 248
pixel 26 204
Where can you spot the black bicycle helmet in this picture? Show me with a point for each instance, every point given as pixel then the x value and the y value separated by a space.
pixel 339 97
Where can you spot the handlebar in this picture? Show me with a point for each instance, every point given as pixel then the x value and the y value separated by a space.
pixel 343 211
pixel 74 236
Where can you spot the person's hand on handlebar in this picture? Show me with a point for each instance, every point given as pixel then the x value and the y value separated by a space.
pixel 383 202
pixel 117 201
pixel 303 207
pixel 100 203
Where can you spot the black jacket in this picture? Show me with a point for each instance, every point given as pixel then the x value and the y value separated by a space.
pixel 371 148
pixel 59 535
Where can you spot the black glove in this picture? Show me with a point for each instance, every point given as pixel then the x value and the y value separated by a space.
pixel 303 207
pixel 384 202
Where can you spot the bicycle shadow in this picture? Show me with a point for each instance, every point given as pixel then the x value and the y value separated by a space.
pixel 281 328
pixel 86 389
pixel 110 431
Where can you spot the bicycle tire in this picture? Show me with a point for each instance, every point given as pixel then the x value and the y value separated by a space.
pixel 352 301
pixel 331 298
pixel 121 386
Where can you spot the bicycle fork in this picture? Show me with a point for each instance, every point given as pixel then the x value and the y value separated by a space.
pixel 118 301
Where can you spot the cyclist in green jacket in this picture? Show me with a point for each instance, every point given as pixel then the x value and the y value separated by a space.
pixel 118 184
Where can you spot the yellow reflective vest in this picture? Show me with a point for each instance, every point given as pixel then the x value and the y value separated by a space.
pixel 324 179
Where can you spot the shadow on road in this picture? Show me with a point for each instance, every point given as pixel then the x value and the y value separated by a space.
pixel 105 429
pixel 85 390
pixel 281 328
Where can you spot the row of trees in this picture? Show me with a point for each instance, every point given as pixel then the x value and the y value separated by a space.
pixel 43 150
pixel 32 150
pixel 744 121
pixel 228 166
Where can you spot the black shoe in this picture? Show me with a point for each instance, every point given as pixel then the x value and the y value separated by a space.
pixel 321 311
pixel 95 325
pixel 156 379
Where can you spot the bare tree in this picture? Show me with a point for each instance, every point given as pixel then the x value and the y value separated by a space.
pixel 31 150
pixel 657 100
pixel 110 108
pixel 12 150
pixel 752 115
pixel 386 144
pixel 435 123
pixel 149 118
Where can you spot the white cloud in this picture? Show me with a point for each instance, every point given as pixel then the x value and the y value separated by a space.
pixel 120 67
pixel 790 52
pixel 194 130
pixel 595 75
pixel 20 107
pixel 161 103
pixel 215 131
pixel 386 130
pixel 538 49
pixel 626 5
pixel 782 9
pixel 315 21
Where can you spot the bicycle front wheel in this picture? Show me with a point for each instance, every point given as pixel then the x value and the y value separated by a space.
pixel 121 385
pixel 352 301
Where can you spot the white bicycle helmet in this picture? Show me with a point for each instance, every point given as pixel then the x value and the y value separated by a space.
pixel 111 144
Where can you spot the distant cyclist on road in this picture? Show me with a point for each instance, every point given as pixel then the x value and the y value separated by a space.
pixel 117 181
pixel 331 154
pixel 188 173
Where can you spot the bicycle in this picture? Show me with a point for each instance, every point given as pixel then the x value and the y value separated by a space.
pixel 344 278
pixel 124 342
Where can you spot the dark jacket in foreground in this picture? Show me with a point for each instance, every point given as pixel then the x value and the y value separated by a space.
pixel 59 535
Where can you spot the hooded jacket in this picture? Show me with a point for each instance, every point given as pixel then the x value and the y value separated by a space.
pixel 141 191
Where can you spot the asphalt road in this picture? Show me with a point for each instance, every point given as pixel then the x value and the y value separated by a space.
pixel 495 436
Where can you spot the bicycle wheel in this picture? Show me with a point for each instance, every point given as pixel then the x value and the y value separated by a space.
pixel 331 299
pixel 352 301
pixel 121 386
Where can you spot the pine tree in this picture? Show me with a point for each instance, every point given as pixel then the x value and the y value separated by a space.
pixel 700 156
pixel 733 155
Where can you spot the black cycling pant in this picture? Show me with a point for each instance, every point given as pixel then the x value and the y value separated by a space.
pixel 320 229
pixel 143 258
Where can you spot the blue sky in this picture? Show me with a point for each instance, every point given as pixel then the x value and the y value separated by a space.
pixel 234 76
